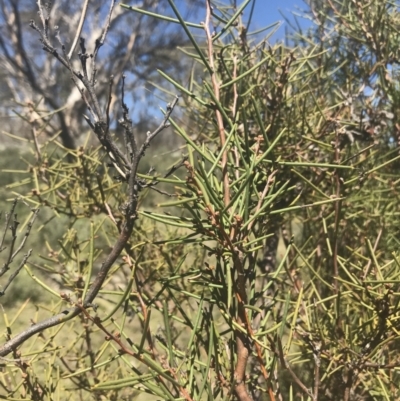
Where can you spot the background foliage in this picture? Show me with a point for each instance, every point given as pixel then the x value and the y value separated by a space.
pixel 263 258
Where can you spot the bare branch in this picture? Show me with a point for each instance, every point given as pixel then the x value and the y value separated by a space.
pixel 12 225
pixel 79 28
pixel 100 42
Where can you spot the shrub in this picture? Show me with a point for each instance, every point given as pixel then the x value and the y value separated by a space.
pixel 270 270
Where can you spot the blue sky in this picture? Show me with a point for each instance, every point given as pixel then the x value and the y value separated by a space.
pixel 266 12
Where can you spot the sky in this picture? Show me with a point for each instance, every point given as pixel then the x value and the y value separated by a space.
pixel 267 12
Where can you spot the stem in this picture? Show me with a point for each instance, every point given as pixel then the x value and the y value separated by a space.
pixel 216 89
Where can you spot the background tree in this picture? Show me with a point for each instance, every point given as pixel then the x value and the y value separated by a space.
pixel 137 45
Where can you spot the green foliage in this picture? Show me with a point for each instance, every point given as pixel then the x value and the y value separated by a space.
pixel 294 143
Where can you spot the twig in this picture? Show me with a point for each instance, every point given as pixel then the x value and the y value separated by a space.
pixel 79 28
pixel 136 157
pixel 8 219
pixel 27 232
pixel 110 215
pixel 13 360
pixel 126 122
pixel 109 100
pixel 338 215
pixel 216 88
pixel 124 349
pixel 162 126
pixel 270 180
pixel 100 42
pixel 12 277
pixel 317 360
pixel 368 267
pixel 13 226
pixel 281 356
pixel 32 122
pixel 348 384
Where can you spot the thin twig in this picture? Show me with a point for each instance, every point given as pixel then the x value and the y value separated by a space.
pixel 124 349
pixel 13 227
pixel 100 42
pixel 12 277
pixel 281 356
pixel 109 101
pixel 79 28
pixel 8 219
pixel 317 361
pixel 368 267
pixel 132 196
pixel 27 232
pixel 216 88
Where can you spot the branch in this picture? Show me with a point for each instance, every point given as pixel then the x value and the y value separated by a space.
pixel 79 28
pixel 12 225
pixel 100 42
pixel 125 234
pixel 128 167
pixel 220 122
